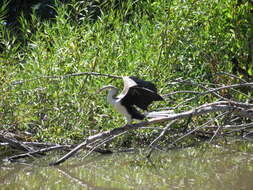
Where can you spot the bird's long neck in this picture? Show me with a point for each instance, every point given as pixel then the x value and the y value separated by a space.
pixel 111 97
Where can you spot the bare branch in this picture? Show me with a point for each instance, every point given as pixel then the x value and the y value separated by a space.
pixel 237 109
pixel 14 143
pixel 29 154
pixel 162 133
pixel 197 128
pixel 65 76
pixel 222 106
pixel 233 76
pixel 182 92
pixel 215 133
pixel 159 137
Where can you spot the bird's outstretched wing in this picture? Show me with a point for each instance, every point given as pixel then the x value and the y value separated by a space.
pixel 132 81
pixel 141 97
pixel 144 84
pixel 138 92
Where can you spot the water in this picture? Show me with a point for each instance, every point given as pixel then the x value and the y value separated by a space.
pixel 210 167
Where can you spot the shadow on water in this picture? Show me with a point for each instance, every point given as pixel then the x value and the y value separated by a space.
pixel 205 167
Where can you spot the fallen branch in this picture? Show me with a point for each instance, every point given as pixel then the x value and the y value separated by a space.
pixel 159 137
pixel 93 142
pixel 65 76
pixel 241 109
pixel 214 92
pixel 197 128
pixel 232 127
pixel 49 148
pixel 32 153
pixel 14 143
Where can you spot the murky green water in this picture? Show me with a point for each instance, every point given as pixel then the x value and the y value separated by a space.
pixel 227 167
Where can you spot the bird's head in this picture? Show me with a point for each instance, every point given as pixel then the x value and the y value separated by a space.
pixel 107 87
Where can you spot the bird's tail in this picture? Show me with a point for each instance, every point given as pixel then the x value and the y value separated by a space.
pixel 159 114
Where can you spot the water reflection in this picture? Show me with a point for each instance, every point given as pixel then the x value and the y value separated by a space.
pixel 211 167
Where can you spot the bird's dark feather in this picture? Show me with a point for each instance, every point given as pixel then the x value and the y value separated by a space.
pixel 145 84
pixel 140 96
pixel 135 114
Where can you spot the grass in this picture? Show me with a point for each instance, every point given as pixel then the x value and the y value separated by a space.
pixel 157 41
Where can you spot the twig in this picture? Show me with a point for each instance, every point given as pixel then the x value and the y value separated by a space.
pixel 12 158
pixel 92 142
pixel 247 134
pixel 232 127
pixel 64 76
pixel 215 133
pixel 196 128
pixel 45 145
pixel 101 143
pixel 243 126
pixel 182 92
pixel 231 75
pixel 91 139
pixel 204 109
pixel 4 144
pixel 212 91
pixel 15 144
pixel 159 137
pixel 49 147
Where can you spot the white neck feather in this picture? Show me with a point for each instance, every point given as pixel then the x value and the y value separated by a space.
pixel 111 96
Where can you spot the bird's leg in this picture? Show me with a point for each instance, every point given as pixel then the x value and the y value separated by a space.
pixel 128 125
pixel 129 121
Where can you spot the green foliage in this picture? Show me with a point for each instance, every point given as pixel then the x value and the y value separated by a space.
pixel 3 11
pixel 155 40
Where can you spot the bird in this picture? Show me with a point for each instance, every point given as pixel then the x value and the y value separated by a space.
pixel 137 93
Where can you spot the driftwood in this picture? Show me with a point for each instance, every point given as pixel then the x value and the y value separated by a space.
pixel 242 109
pixel 65 76
pixel 38 149
pixel 238 115
pixel 94 142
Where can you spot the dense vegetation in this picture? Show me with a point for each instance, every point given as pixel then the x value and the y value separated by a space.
pixel 163 40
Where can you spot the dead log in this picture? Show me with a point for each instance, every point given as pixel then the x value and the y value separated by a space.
pixel 241 109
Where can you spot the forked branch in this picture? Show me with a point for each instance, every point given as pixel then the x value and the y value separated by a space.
pixel 241 109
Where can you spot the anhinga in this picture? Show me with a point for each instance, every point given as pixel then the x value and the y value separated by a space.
pixel 136 93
